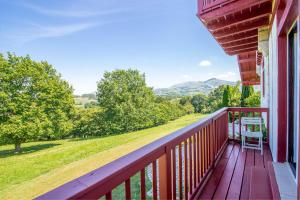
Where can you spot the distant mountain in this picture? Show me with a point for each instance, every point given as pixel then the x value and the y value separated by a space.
pixel 192 87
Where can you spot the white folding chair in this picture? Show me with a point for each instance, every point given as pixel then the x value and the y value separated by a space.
pixel 253 121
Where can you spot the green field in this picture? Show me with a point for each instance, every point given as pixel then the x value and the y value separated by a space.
pixel 43 166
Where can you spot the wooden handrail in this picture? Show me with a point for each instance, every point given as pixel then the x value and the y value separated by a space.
pixel 192 151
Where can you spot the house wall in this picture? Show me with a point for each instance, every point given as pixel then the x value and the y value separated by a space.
pixel 270 99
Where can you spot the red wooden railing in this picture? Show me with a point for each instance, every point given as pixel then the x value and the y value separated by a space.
pixel 173 167
pixel 235 115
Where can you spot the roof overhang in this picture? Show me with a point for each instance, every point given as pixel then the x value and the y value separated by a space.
pixel 237 26
pixel 235 23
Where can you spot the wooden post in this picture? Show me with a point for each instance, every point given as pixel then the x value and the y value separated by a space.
pixel 165 189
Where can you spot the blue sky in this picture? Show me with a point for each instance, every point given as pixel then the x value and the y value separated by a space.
pixel 83 38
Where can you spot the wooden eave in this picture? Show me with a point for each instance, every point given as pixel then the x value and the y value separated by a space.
pixel 235 23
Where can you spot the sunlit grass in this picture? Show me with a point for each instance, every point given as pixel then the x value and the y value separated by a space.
pixel 45 165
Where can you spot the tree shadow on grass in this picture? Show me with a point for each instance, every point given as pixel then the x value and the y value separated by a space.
pixel 26 150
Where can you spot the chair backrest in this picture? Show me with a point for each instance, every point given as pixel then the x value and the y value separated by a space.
pixel 251 121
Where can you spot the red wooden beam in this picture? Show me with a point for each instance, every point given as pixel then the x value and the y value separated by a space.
pixel 236 38
pixel 248 72
pixel 234 6
pixel 241 28
pixel 246 60
pixel 241 51
pixel 241 47
pixel 241 42
pixel 250 82
pixel 236 19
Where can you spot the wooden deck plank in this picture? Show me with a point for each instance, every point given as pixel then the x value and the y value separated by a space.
pixel 247 172
pixel 232 175
pixel 228 151
pixel 259 159
pixel 267 156
pixel 223 186
pixel 260 184
pixel 237 179
pixel 209 189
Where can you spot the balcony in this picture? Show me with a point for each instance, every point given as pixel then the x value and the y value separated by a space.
pixel 201 161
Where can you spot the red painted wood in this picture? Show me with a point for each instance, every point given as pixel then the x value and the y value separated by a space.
pixel 143 185
pixel 194 161
pixel 108 196
pixel 228 172
pixel 237 178
pixel 186 189
pixel 241 29
pixel 213 181
pixel 180 171
pixel 174 173
pixel 190 167
pixel 260 184
pixel 282 100
pixel 259 159
pixel 154 180
pixel 127 190
pixel 198 158
pixel 267 155
pixel 220 11
pixel 240 43
pixel 247 172
pixel 273 182
pixel 228 151
pixel 238 38
pixel 240 18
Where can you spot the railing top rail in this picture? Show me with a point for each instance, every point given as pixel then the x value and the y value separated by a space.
pixel 127 165
pixel 248 109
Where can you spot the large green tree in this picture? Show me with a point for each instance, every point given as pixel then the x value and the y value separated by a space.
pixel 126 101
pixel 35 103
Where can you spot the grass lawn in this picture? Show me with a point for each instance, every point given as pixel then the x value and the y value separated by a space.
pixel 45 165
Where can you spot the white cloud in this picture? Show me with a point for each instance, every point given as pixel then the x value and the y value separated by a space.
pixel 205 63
pixel 35 31
pixel 71 12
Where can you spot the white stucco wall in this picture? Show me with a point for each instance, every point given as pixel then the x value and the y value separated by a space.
pixel 272 89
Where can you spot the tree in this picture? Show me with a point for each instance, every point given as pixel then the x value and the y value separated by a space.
pixel 35 103
pixel 253 100
pixel 226 95
pixel 215 99
pixel 235 95
pixel 126 101
pixel 246 92
pixel 199 102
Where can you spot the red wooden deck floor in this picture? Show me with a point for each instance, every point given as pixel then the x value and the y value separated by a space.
pixel 231 177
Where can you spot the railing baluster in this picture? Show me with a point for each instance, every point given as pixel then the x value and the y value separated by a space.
pixel 198 158
pixel 165 188
pixel 174 172
pixel 180 171
pixel 127 189
pixel 185 171
pixel 108 196
pixel 194 160
pixel 143 184
pixel 190 167
pixel 154 180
